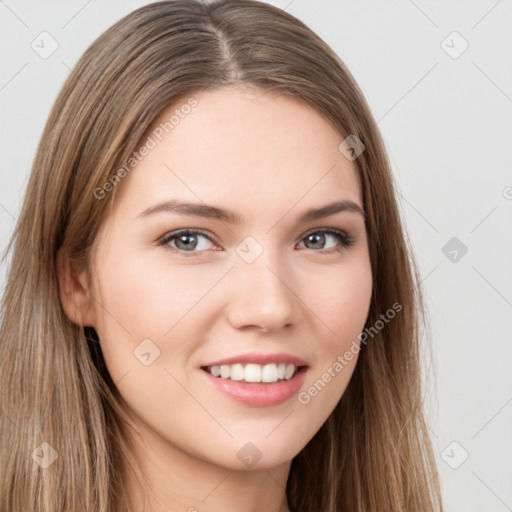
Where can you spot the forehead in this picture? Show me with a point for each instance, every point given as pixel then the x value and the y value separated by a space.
pixel 243 148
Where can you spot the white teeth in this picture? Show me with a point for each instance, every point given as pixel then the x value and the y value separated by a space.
pixel 225 371
pixel 290 370
pixel 269 373
pixel 254 372
pixel 237 372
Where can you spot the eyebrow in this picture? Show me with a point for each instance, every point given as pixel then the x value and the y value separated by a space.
pixel 227 215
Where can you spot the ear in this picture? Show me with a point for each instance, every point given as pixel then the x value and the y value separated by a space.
pixel 74 291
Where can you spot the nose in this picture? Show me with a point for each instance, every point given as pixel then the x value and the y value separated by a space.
pixel 261 296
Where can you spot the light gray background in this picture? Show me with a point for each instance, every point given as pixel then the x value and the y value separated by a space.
pixel 447 124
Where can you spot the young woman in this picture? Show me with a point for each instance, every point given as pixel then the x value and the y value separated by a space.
pixel 211 304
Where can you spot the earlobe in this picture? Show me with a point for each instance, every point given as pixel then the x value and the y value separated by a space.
pixel 74 290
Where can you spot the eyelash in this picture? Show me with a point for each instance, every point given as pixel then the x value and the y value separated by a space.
pixel 345 240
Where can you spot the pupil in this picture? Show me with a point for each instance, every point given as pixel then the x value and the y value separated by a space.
pixel 183 238
pixel 318 237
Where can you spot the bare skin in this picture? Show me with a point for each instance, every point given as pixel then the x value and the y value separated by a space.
pixel 270 159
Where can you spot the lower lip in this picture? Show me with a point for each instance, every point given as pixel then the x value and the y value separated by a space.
pixel 256 394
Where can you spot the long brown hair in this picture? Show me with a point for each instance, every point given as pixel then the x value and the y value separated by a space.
pixel 373 453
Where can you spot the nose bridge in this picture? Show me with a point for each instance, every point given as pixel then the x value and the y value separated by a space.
pixel 261 297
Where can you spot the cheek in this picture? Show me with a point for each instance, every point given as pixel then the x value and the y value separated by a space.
pixel 341 301
pixel 150 298
pixel 140 299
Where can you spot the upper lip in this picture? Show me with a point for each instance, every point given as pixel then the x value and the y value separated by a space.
pixel 262 359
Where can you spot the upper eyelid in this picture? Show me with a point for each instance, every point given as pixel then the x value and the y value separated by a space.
pixel 176 233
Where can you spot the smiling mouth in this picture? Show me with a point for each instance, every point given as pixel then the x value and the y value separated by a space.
pixel 255 373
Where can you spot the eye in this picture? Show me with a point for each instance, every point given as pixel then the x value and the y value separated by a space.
pixel 187 240
pixel 317 239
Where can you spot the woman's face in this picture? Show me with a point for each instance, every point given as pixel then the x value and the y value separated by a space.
pixel 260 285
